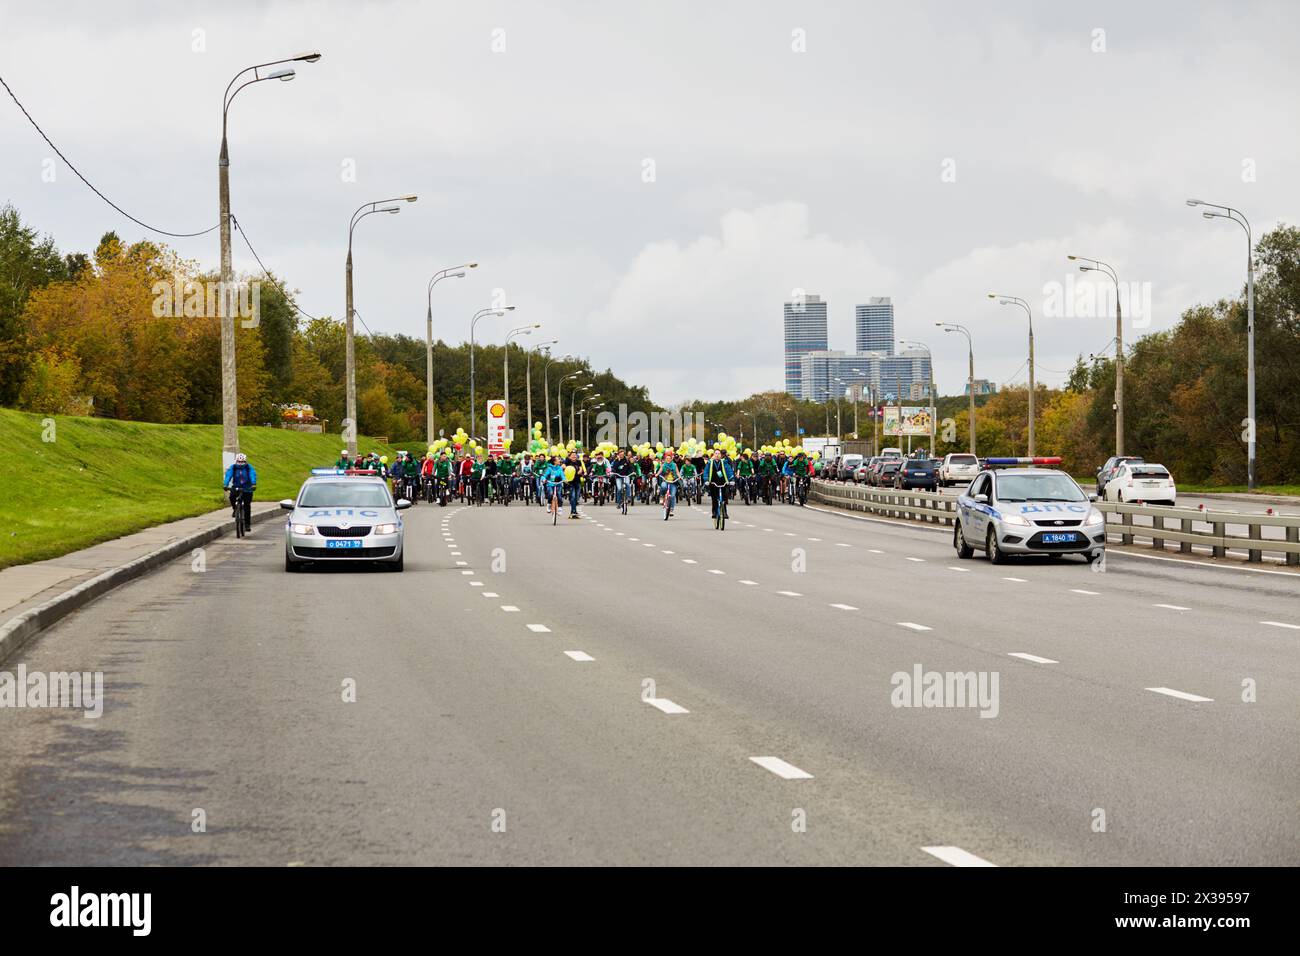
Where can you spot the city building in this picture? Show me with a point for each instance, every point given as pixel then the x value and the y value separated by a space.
pixel 874 325
pixel 805 331
pixel 982 387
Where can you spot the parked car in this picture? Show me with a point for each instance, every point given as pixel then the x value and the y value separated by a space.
pixel 1142 481
pixel 862 474
pixel 916 473
pixel 847 466
pixel 958 468
pixel 885 471
pixel 1107 471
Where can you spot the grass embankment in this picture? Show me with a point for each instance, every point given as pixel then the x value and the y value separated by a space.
pixel 100 479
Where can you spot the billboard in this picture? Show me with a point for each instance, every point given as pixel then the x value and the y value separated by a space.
pixel 498 427
pixel 915 420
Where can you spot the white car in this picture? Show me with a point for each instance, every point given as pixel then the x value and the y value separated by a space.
pixel 958 469
pixel 343 518
pixel 1142 482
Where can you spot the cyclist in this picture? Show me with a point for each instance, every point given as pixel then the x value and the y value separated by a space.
pixel 624 469
pixel 745 474
pixel 428 468
pixel 599 476
pixel 241 479
pixel 575 486
pixel 718 474
pixel 668 475
pixel 766 474
pixel 552 480
pixel 689 474
pixel 345 460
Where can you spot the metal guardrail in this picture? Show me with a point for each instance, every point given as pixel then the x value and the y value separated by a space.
pixel 1192 526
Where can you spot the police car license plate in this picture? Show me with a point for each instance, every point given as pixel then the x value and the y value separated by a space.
pixel 350 543
pixel 1066 537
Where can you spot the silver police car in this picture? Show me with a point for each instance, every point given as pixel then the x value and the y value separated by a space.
pixel 1034 510
pixel 340 517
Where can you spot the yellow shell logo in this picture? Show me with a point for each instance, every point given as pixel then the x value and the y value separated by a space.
pixel 498 410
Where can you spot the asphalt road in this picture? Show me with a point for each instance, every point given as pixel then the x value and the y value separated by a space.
pixel 478 736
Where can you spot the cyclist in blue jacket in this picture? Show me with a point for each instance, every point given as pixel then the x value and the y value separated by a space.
pixel 241 477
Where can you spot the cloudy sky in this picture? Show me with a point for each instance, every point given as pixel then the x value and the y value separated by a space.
pixel 650 181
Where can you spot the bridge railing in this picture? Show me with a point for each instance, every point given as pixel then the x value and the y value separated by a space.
pixel 1211 531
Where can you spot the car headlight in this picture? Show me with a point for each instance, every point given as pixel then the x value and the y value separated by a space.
pixel 302 529
pixel 1096 517
pixel 385 529
pixel 1016 520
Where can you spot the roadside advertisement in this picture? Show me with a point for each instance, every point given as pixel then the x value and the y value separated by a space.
pixel 916 420
pixel 498 427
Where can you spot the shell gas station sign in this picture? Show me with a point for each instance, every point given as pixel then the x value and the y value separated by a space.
pixel 498 427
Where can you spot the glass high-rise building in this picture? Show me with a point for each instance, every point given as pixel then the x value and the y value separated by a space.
pixel 874 325
pixel 805 331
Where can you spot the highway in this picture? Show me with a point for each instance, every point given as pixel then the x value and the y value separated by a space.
pixel 502 713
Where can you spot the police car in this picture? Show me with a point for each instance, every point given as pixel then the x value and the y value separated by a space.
pixel 1027 510
pixel 343 516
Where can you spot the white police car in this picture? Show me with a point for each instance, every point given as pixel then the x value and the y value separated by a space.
pixel 343 516
pixel 1033 510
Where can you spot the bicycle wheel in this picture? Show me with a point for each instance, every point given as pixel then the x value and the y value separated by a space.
pixel 239 516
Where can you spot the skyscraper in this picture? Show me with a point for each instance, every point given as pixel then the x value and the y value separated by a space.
pixel 805 331
pixel 874 325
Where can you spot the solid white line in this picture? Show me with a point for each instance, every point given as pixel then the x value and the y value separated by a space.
pixel 579 656
pixel 787 771
pixel 667 706
pixel 749 582
pixel 1033 658
pixel 915 627
pixel 1180 694
pixel 790 593
pixel 1172 607
pixel 539 628
pixel 845 607
pixel 1293 627
pixel 1017 580
pixel 956 856
pixel 1082 591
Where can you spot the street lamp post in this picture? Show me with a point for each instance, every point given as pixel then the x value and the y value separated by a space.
pixel 970 379
pixel 754 417
pixel 1096 265
pixel 546 392
pixel 229 392
pixel 455 272
pixel 528 380
pixel 1227 212
pixel 522 330
pixel 573 399
pixel 559 404
pixel 1014 300
pixel 350 415
pixel 473 322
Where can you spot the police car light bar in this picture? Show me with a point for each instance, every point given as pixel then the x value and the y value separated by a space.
pixel 344 471
pixel 1022 461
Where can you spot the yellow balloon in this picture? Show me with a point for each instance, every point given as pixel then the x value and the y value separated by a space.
pixel 569 473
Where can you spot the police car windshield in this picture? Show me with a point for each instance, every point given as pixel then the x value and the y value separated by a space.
pixel 344 494
pixel 1038 488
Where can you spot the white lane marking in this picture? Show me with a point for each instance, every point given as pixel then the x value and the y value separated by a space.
pixel 916 559
pixel 962 570
pixel 914 626
pixel 461 563
pixel 841 544
pixel 667 706
pixel 455 554
pixel 814 539
pixel 620 534
pixel 1172 607
pixel 476 584
pixel 789 534
pixel 1082 591
pixel 716 571
pixel 579 655
pixel 751 583
pixel 875 551
pixel 790 593
pixel 634 539
pixel 1017 580
pixel 767 529
pixel 956 856
pixel 1033 658
pixel 539 629
pixel 1181 695
pixel 845 607
pixel 509 608
pixel 689 561
pixel 467 572
pixel 1293 627
pixel 786 771
pixel 489 594
pixel 669 552
pixel 647 544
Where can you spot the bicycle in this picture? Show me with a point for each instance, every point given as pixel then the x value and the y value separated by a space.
pixel 598 492
pixel 720 519
pixel 668 500
pixel 622 493
pixel 555 500
pixel 240 507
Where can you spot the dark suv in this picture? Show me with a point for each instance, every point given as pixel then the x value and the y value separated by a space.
pixel 1107 471
pixel 917 473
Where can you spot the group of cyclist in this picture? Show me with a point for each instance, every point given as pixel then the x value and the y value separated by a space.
pixel 621 476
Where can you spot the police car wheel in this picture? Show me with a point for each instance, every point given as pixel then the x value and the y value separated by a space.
pixel 290 565
pixel 964 550
pixel 991 546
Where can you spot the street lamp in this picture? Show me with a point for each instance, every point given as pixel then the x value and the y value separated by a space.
pixel 1227 212
pixel 546 391
pixel 754 438
pixel 350 414
pixel 1096 265
pixel 528 379
pixel 573 431
pixel 588 406
pixel 1014 300
pixel 472 323
pixel 839 393
pixel 970 380
pixel 455 272
pixel 229 393
pixel 559 403
pixel 522 330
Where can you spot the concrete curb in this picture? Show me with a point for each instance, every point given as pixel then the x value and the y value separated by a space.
pixel 17 631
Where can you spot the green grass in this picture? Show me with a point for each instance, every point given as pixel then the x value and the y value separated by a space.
pixel 100 478
pixel 1239 489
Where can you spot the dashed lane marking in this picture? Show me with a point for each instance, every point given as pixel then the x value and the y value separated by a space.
pixel 787 771
pixel 1181 695
pixel 956 856
pixel 1033 658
